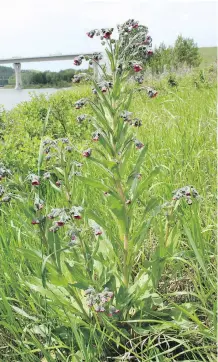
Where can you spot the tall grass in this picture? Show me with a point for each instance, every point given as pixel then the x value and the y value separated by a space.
pixel 42 317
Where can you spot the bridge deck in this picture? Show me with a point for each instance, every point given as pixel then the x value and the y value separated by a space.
pixel 40 59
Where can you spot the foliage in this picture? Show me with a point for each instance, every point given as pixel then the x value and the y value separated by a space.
pixel 186 51
pixel 36 78
pixel 183 52
pixel 160 302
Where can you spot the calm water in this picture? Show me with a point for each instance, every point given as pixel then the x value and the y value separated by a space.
pixel 11 97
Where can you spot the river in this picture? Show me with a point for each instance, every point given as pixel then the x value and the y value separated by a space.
pixel 11 97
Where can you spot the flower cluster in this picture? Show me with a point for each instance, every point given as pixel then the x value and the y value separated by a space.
pixel 138 144
pixel 152 93
pixel 139 79
pixel 81 118
pixel 34 179
pixel 99 301
pixel 185 192
pixel 126 115
pixel 4 172
pixel 128 26
pixel 104 33
pixel 61 216
pixel 87 153
pixel 96 57
pixel 49 145
pixel 80 103
pixel 137 67
pixel 78 60
pixel 95 136
pixel 104 86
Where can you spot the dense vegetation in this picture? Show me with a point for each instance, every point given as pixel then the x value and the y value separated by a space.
pixel 33 78
pixel 161 299
pixel 5 73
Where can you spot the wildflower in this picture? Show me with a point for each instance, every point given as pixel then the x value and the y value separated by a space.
pixel 81 118
pixel 60 223
pixel 95 136
pixel 87 153
pixel 77 216
pixel 89 291
pixel 98 232
pixel 47 150
pixel 91 33
pixel 126 116
pixel 76 79
pixel 58 183
pixel 35 180
pixel 139 144
pixel 139 176
pixel 112 311
pixel 54 213
pixel 104 89
pixel 76 212
pixel 139 79
pixel 35 222
pixel 106 193
pixel 65 140
pixel 137 122
pixel 128 202
pixel 80 103
pixel 185 192
pixel 46 175
pixel 94 91
pixel 150 52
pixel 78 60
pixel 68 148
pixel 152 93
pixel 96 57
pixel 107 33
pixel 39 205
pixel 148 40
pixel 137 68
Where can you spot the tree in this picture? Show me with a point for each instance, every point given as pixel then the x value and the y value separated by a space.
pixel 186 52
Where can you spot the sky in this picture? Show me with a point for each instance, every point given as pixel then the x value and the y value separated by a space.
pixel 43 27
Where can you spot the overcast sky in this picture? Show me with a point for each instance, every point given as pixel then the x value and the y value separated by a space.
pixel 42 27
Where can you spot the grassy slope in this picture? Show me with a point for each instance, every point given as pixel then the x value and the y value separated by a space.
pixel 179 127
pixel 209 55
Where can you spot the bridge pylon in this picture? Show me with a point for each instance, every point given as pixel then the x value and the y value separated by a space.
pixel 17 68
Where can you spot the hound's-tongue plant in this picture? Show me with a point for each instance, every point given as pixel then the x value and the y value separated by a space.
pixel 111 129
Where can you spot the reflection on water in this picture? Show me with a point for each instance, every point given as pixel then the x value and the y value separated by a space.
pixel 11 97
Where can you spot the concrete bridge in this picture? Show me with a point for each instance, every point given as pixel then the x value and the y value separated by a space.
pixel 16 61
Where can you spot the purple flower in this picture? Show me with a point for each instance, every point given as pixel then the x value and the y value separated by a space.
pixel 138 144
pixel 87 153
pixel 137 68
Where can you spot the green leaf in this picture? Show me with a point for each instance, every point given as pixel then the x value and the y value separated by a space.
pixel 23 313
pixel 55 187
pixel 93 182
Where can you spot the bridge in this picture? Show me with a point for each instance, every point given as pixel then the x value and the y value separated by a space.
pixel 16 61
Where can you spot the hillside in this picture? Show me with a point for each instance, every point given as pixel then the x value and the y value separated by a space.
pixel 209 55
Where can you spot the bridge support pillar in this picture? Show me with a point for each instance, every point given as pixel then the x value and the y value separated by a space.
pixel 17 68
